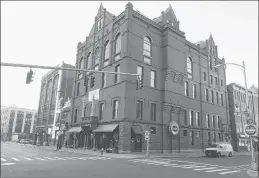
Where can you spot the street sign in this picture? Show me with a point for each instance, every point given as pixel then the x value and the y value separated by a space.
pixel 174 128
pixel 250 130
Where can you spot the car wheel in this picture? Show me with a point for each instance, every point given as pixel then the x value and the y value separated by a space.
pixel 230 154
pixel 219 154
pixel 207 154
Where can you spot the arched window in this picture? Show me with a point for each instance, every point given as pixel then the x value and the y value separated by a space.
pixel 147 47
pixel 189 67
pixel 81 64
pixel 106 50
pixel 117 46
pixel 89 61
pixel 97 56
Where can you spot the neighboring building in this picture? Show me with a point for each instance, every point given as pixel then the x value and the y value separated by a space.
pixel 17 122
pixel 181 84
pixel 238 116
pixel 54 85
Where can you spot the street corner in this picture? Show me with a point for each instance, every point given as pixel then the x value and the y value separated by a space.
pixel 252 173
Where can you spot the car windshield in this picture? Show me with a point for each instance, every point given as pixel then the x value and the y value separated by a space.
pixel 213 146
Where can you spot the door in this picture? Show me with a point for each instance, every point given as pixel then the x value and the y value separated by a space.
pixel 138 143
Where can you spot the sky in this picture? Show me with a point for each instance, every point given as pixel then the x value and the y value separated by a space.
pixel 47 33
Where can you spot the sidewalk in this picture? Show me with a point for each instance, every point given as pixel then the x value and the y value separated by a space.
pixel 126 155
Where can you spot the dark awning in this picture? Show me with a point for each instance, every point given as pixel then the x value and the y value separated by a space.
pixel 75 129
pixel 106 128
pixel 137 129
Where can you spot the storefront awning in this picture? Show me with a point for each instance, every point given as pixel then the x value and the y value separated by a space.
pixel 137 129
pixel 106 128
pixel 75 129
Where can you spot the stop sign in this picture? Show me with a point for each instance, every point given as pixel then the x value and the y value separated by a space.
pixel 250 130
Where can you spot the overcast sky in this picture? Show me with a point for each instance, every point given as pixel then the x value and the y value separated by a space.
pixel 45 33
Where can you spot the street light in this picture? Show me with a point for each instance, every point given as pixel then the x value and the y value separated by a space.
pixel 247 113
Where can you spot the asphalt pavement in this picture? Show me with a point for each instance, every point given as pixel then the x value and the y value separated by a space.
pixel 25 161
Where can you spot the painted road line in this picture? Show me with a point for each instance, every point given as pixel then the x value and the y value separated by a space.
pixel 49 158
pixel 181 165
pixel 40 159
pixel 189 167
pixel 6 164
pixel 59 158
pixel 69 158
pixel 170 164
pixel 27 158
pixel 229 172
pixel 217 170
pixel 205 168
pixel 2 159
pixel 15 159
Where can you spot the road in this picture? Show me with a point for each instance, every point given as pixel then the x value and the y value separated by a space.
pixel 25 161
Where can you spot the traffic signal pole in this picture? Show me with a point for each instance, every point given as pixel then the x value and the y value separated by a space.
pixel 63 68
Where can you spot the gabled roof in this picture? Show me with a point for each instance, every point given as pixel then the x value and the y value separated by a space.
pixel 168 15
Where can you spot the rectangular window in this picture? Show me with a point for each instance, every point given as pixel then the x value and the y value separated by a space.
pixel 185 133
pixel 185 117
pixel 210 63
pixel 212 96
pixel 153 130
pixel 211 79
pixel 214 137
pixel 213 122
pixel 85 111
pixel 221 82
pixel 139 109
pixel 198 133
pixel 186 90
pixel 207 120
pixel 191 117
pixel 207 94
pixel 209 139
pixel 198 119
pixel 104 79
pixel 216 81
pixel 204 76
pixel 219 122
pixel 117 76
pixel 153 79
pixel 101 111
pixel 221 98
pixel 219 136
pixel 217 97
pixel 115 109
pixel 194 91
pixel 78 89
pixel 76 113
pixel 192 137
pixel 153 111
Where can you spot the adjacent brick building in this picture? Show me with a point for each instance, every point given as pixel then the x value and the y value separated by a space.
pixel 238 116
pixel 54 85
pixel 180 84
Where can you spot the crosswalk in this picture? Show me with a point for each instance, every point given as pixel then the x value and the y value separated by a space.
pixel 32 158
pixel 208 168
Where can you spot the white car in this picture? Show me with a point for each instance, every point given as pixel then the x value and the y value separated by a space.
pixel 219 149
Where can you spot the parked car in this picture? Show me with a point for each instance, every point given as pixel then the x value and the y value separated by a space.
pixel 219 149
pixel 25 141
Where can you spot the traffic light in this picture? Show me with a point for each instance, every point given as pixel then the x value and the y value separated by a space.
pixel 29 77
pixel 85 81
pixel 139 82
pixel 92 82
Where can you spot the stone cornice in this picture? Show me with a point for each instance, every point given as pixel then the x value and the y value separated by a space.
pixel 117 18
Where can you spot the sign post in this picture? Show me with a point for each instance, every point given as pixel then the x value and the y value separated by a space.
pixel 251 131
pixel 147 137
pixel 174 128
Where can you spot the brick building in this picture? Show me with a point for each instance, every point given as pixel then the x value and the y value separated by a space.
pixel 54 85
pixel 180 84
pixel 17 122
pixel 238 116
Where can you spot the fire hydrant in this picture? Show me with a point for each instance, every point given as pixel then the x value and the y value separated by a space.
pixel 102 151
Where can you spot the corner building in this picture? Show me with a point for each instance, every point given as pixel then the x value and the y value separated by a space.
pixel 181 84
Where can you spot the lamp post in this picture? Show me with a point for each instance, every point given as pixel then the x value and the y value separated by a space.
pixel 246 99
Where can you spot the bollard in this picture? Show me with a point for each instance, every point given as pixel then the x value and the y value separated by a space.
pixel 102 151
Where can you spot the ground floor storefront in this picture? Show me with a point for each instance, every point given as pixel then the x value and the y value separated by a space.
pixel 126 137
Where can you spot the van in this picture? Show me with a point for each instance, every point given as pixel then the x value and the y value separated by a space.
pixel 219 149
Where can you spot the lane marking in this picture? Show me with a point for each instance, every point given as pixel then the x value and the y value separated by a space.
pixel 181 165
pixel 59 158
pixel 27 158
pixel 69 158
pixel 40 159
pixel 217 170
pixel 49 158
pixel 2 159
pixel 15 159
pixel 6 164
pixel 229 172
pixel 205 168
pixel 189 167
